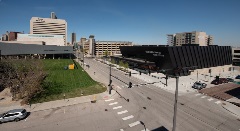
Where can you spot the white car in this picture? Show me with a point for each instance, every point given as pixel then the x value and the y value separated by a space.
pixel 13 115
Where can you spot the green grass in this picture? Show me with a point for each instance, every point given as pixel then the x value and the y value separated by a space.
pixel 69 82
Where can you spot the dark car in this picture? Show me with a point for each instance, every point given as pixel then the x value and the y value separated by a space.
pixel 237 77
pixel 216 82
pixel 230 79
pixel 13 115
pixel 199 85
pixel 223 80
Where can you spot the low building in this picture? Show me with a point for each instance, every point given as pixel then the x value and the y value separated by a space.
pixel 45 38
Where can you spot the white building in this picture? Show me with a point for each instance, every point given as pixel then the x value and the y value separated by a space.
pixel 44 38
pixel 50 26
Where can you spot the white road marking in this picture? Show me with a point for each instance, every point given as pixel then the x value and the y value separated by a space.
pixel 122 112
pixel 119 87
pixel 128 117
pixel 121 130
pixel 117 107
pixel 197 94
pixel 134 124
pixel 218 102
pixel 109 100
pixel 145 129
pixel 203 96
pixel 114 103
pixel 210 99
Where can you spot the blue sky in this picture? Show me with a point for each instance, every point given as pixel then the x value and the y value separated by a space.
pixel 139 21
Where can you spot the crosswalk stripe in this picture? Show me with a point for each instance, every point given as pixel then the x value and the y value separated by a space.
pixel 203 96
pixel 145 129
pixel 122 112
pixel 210 99
pixel 114 103
pixel 197 94
pixel 109 100
pixel 134 124
pixel 218 102
pixel 117 107
pixel 128 117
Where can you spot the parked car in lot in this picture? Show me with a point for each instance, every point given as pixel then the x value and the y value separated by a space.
pixel 13 115
pixel 237 77
pixel 230 80
pixel 223 80
pixel 216 82
pixel 199 85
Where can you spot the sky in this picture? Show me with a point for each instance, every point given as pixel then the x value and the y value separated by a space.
pixel 139 21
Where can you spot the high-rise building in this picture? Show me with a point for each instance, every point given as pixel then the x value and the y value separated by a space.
pixel 73 38
pixel 194 37
pixel 49 26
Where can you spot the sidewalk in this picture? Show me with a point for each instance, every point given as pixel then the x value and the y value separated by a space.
pixel 61 103
pixel 232 108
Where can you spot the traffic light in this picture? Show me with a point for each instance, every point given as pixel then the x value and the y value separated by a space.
pixel 130 73
pixel 130 85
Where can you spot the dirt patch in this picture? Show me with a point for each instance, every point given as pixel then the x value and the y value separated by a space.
pixel 6 98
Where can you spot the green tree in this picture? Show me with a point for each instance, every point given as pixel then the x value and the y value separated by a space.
pixel 106 53
pixel 126 66
pixel 121 63
pixel 113 61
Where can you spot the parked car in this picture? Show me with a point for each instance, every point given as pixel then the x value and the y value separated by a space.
pixel 216 82
pixel 13 115
pixel 230 79
pixel 223 80
pixel 199 85
pixel 237 77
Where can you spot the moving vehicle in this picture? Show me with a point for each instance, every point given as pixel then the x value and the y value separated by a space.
pixel 199 85
pixel 13 115
pixel 237 77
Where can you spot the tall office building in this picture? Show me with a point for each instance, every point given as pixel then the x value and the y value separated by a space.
pixel 49 26
pixel 73 38
pixel 194 37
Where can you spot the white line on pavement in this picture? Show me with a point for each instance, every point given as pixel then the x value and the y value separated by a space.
pixel 122 112
pixel 134 124
pixel 145 129
pixel 218 102
pixel 121 130
pixel 114 103
pixel 203 96
pixel 109 100
pixel 117 107
pixel 197 94
pixel 119 87
pixel 210 99
pixel 128 117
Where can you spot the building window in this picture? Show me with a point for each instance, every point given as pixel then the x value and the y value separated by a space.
pixel 236 51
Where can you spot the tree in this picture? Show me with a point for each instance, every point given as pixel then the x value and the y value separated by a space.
pixel 125 65
pixel 113 61
pixel 121 63
pixel 106 53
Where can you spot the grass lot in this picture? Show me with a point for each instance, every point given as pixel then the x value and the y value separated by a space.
pixel 69 82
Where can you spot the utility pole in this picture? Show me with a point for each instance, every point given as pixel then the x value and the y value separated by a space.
pixel 110 80
pixel 175 105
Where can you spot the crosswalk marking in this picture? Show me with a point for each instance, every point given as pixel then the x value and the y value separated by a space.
pixel 210 99
pixel 134 124
pixel 122 112
pixel 109 100
pixel 128 117
pixel 121 130
pixel 114 103
pixel 145 129
pixel 119 87
pixel 203 96
pixel 218 102
pixel 117 107
pixel 197 94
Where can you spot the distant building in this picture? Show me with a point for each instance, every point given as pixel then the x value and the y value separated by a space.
pixel 46 39
pixel 50 26
pixel 13 36
pixel 236 56
pixel 73 38
pixel 194 37
pixel 112 47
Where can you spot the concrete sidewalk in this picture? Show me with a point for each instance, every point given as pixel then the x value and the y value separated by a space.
pixel 232 108
pixel 61 103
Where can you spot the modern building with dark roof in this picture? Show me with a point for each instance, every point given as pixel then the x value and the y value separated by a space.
pixel 183 57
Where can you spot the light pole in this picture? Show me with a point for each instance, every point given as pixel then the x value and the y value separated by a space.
pixel 175 105
pixel 110 80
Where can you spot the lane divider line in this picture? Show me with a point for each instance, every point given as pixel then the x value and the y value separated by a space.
pixel 122 112
pixel 128 117
pixel 117 107
pixel 114 103
pixel 134 124
pixel 109 100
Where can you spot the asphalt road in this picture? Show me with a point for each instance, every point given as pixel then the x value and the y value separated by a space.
pixel 149 108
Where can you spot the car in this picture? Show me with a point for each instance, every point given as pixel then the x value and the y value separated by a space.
pixel 223 80
pixel 13 115
pixel 199 85
pixel 216 82
pixel 230 79
pixel 237 77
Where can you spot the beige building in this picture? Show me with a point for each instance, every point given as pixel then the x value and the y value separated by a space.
pixel 193 37
pixel 50 26
pixel 236 56
pixel 45 39
pixel 111 46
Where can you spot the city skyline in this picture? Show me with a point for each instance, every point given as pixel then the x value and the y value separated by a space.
pixel 141 22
